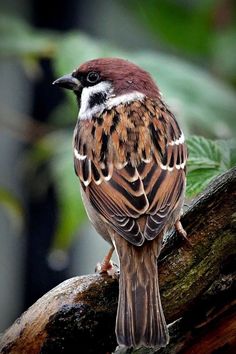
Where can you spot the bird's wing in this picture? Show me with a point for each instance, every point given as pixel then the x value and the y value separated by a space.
pixel 165 183
pixel 127 161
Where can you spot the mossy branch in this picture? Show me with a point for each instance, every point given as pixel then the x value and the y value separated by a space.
pixel 197 281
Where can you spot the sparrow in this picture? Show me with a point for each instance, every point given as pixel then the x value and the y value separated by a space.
pixel 130 157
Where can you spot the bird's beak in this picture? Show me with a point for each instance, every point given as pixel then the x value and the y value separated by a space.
pixel 68 82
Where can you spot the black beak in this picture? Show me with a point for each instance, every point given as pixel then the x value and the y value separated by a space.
pixel 68 82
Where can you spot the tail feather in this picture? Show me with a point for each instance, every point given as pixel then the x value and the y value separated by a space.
pixel 140 320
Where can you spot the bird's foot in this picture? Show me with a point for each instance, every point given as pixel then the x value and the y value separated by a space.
pixel 107 266
pixel 180 230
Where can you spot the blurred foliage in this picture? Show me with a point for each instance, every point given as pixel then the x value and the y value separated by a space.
pixel 224 54
pixel 191 22
pixel 55 152
pixel 203 30
pixel 13 207
pixel 202 104
pixel 19 39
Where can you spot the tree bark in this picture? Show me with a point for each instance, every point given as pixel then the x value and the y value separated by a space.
pixel 197 281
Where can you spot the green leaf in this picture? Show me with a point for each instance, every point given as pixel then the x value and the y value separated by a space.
pixel 203 152
pixel 207 159
pixel 198 179
pixel 228 151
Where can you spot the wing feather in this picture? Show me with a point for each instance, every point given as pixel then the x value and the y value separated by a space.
pixel 132 168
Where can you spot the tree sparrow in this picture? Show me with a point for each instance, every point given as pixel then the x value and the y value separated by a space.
pixel 130 157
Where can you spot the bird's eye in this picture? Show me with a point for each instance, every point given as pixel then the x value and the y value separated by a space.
pixel 93 77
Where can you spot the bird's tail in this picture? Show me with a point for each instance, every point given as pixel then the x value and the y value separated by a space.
pixel 140 320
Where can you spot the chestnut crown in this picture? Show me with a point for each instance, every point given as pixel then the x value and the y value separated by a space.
pixel 124 77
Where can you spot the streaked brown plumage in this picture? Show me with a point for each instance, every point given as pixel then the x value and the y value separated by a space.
pixel 130 157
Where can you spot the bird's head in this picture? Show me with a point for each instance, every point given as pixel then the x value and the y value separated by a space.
pixel 106 82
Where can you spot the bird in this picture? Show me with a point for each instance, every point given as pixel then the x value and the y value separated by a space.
pixel 130 156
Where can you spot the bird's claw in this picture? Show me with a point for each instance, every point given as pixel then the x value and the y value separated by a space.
pixel 180 230
pixel 109 268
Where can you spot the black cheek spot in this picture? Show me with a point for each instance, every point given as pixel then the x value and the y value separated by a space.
pixel 97 99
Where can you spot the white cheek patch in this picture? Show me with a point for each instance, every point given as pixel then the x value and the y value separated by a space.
pixel 105 88
pixel 87 112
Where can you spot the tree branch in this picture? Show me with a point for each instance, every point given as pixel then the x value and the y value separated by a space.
pixel 197 287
